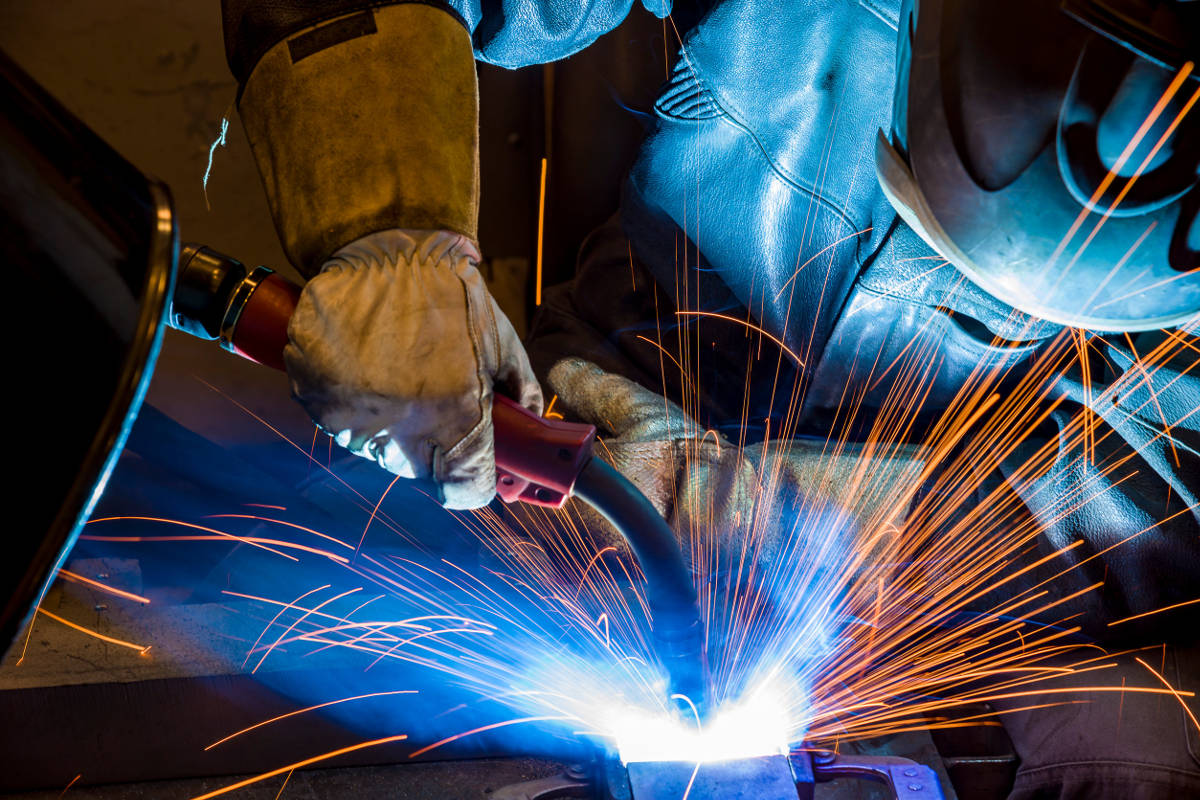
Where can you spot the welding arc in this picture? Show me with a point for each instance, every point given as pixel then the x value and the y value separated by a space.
pixel 669 593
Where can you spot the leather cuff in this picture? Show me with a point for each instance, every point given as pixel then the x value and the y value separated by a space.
pixel 366 122
pixel 252 27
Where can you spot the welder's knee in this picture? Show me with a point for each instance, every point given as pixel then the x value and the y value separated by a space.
pixel 1104 743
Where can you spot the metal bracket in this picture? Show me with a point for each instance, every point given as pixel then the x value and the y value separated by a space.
pixel 907 779
pixel 762 778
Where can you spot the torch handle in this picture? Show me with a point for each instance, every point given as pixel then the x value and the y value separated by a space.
pixel 537 459
pixel 262 307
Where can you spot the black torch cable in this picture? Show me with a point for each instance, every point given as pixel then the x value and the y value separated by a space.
pixel 678 634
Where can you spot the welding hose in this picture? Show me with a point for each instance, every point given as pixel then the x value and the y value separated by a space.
pixel 538 461
pixel 678 634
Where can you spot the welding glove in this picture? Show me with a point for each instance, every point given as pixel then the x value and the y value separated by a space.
pixel 394 351
pixel 364 129
pixel 715 492
pixel 656 445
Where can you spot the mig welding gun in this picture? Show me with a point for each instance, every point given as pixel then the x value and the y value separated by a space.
pixel 539 461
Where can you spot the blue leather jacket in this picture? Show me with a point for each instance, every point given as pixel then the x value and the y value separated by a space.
pixel 756 189
pixel 762 154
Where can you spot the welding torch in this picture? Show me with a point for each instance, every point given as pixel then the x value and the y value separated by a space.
pixel 539 461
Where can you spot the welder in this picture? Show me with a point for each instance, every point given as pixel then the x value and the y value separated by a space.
pixel 859 175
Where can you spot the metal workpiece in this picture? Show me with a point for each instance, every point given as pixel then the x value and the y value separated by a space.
pixel 575 781
pixel 906 779
pixel 763 778
pixel 791 777
pixel 89 249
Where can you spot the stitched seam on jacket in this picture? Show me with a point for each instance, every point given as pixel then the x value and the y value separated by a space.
pixel 884 14
pixel 1021 350
pixel 1153 430
pixel 686 88
pixel 785 175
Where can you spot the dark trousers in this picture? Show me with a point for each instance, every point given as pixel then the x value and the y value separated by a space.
pixel 1096 745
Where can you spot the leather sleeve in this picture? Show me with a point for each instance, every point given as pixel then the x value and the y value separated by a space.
pixel 1127 496
pixel 252 27
pixel 363 123
pixel 509 33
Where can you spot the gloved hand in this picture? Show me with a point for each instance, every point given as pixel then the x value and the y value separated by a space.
pixel 394 351
pixel 721 498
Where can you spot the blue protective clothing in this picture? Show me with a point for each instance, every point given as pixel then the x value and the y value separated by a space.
pixel 756 190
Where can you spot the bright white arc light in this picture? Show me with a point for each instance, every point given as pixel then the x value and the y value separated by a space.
pixel 755 726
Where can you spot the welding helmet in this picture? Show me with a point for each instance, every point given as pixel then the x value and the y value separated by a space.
pixel 1046 149
pixel 88 248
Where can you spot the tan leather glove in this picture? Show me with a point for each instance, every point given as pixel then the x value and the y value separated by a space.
pixel 364 128
pixel 716 494
pixel 394 351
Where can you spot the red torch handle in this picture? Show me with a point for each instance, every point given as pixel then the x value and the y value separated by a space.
pixel 537 459
pixel 259 331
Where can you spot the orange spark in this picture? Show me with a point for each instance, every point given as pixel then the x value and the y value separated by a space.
pixel 75 578
pixel 1155 611
pixel 537 299
pixel 1178 694
pixel 297 712
pixel 69 785
pixel 480 729
pixel 371 519
pixel 300 764
pixel 142 649
pixel 750 325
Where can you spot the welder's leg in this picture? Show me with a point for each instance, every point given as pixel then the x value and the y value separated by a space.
pixel 1113 745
